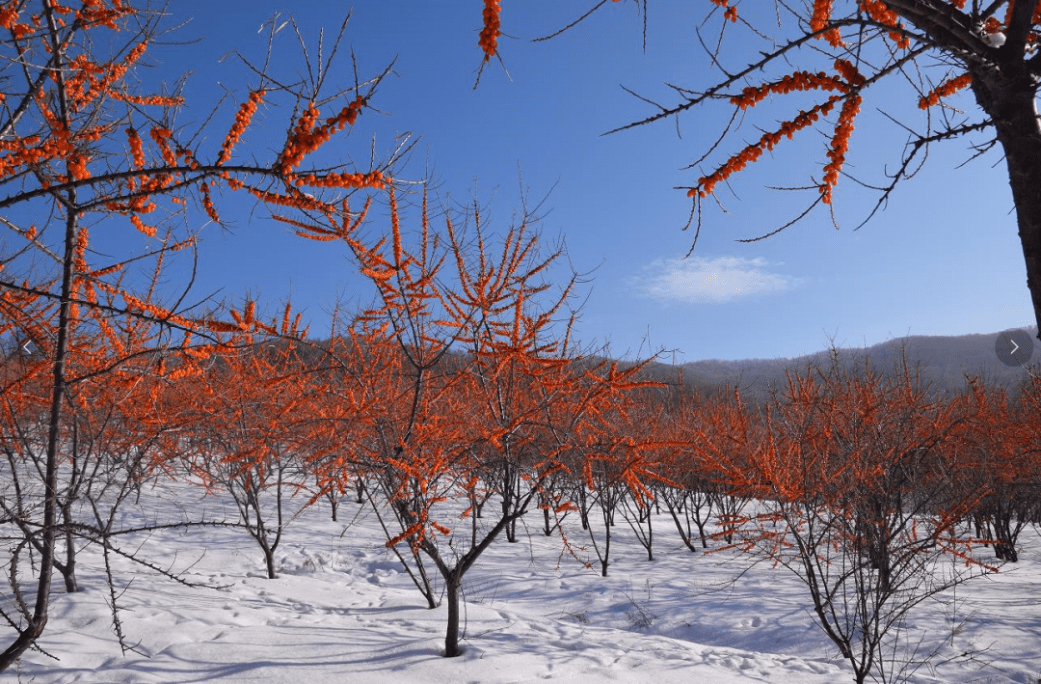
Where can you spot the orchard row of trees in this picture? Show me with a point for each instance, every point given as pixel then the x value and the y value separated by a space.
pixel 453 410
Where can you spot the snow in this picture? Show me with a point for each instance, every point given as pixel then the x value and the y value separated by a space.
pixel 343 610
pixel 995 40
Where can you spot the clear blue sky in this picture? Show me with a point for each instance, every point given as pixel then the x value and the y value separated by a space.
pixel 943 258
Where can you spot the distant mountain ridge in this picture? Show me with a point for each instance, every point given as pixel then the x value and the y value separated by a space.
pixel 944 362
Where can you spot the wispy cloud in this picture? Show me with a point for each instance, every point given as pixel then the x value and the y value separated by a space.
pixel 701 280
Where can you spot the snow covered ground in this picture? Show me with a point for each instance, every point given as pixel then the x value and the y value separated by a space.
pixel 342 610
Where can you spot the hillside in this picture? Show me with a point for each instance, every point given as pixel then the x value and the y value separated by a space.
pixel 943 361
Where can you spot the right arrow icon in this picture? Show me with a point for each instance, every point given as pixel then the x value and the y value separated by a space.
pixel 1014 347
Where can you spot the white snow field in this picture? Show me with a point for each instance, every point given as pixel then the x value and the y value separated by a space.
pixel 342 610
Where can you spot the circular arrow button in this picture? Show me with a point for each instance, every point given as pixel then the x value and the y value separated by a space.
pixel 1014 347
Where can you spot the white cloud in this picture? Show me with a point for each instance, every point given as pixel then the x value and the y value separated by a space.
pixel 700 280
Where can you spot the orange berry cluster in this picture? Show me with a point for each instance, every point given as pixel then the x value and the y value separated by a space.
pixel 849 72
pixel 82 80
pixel 161 136
pixel 207 202
pixel 992 26
pixel 8 14
pixel 95 13
pixel 89 80
pixel 149 100
pixel 308 137
pixel 850 80
pixel 301 142
pixel 77 166
pixel 821 14
pixel 79 267
pixel 140 188
pixel 142 226
pixel 798 81
pixel 242 119
pixel 346 117
pixel 729 12
pixel 373 179
pixel 489 38
pixel 80 251
pixel 948 87
pixel 26 151
pixel 309 230
pixel 9 19
pixel 839 146
pixel 61 144
pixel 751 153
pixel 296 199
pixel 146 307
pixel 880 12
pixel 337 230
pixel 74 155
pixel 820 19
pixel 137 152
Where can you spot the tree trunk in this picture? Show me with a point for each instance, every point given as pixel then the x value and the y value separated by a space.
pixel 675 510
pixel 424 585
pixel 583 508
pixel 1007 95
pixel 1005 538
pixel 650 536
pixel 269 561
pixel 68 569
pixel 452 583
pixel 334 501
pixel 38 620
pixel 605 558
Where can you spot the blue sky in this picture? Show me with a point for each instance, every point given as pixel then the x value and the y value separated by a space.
pixel 943 258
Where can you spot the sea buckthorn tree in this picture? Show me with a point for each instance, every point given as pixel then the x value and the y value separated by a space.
pixel 1001 466
pixel 250 434
pixel 87 141
pixel 623 467
pixel 855 474
pixel 788 69
pixel 480 390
